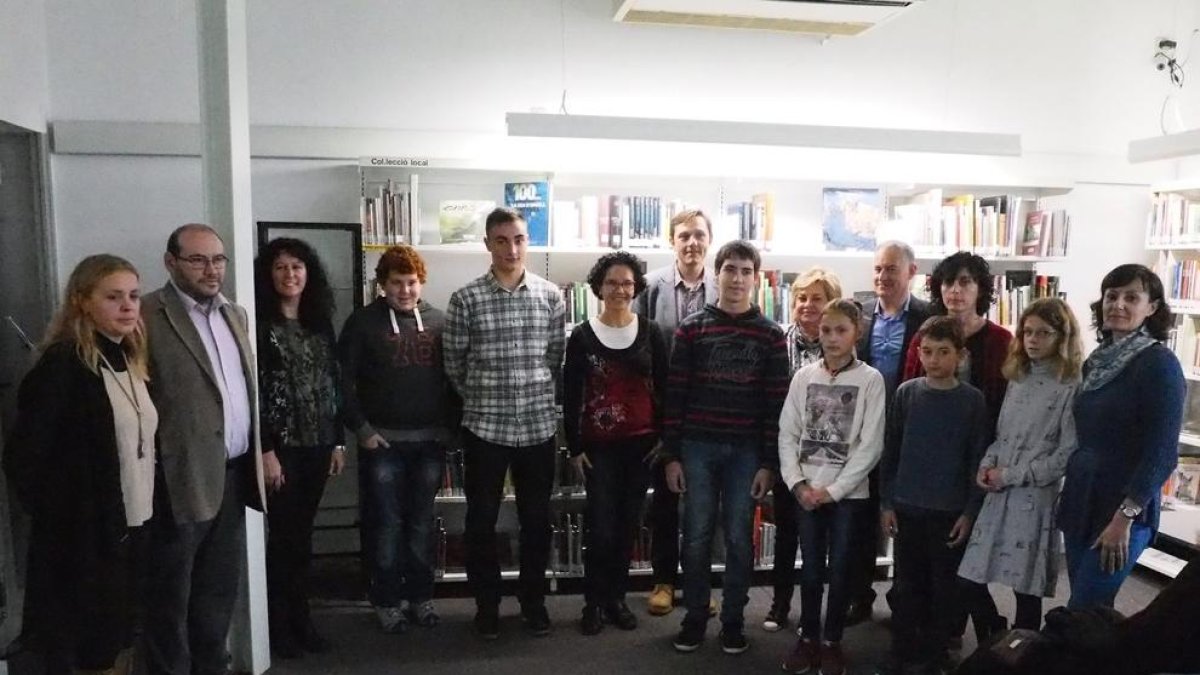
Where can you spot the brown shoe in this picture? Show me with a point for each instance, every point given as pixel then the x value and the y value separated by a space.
pixel 662 600
pixel 833 662
pixel 804 657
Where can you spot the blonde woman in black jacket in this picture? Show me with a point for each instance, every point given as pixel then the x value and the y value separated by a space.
pixel 81 456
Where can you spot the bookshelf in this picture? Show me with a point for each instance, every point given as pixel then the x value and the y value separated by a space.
pixel 438 206
pixel 1173 231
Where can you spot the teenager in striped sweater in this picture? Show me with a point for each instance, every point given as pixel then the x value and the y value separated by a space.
pixel 727 382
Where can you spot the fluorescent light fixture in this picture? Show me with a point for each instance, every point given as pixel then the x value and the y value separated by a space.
pixel 1169 146
pixel 760 133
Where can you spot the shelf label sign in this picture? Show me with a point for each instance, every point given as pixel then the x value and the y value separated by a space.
pixel 399 162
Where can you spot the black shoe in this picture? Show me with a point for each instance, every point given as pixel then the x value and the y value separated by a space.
pixel 618 614
pixel 733 640
pixel 591 623
pixel 537 621
pixel 312 641
pixel 487 623
pixel 690 637
pixel 860 609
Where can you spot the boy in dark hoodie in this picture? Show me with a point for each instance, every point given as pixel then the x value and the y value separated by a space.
pixel 727 383
pixel 401 406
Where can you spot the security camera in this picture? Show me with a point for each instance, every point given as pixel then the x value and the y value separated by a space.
pixel 1161 61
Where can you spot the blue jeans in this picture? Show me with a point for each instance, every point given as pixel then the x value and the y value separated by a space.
pixel 1091 586
pixel 399 486
pixel 827 533
pixel 719 477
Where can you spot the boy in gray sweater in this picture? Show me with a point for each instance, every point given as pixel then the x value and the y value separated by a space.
pixel 935 436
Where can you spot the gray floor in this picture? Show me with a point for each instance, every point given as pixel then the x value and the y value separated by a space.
pixel 452 648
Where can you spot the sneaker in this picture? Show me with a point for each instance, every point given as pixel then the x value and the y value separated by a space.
pixel 690 637
pixel 537 621
pixel 391 619
pixel 777 619
pixel 804 657
pixel 487 623
pixel 662 600
pixel 422 614
pixel 833 662
pixel 733 640
pixel 592 622
pixel 618 614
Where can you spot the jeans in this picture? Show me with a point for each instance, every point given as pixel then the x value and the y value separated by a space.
pixel 719 477
pixel 783 570
pixel 485 465
pixel 400 484
pixel 664 528
pixel 1091 586
pixel 290 514
pixel 616 489
pixel 927 589
pixel 827 533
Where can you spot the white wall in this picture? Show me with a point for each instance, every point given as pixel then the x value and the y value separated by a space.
pixel 1073 78
pixel 24 99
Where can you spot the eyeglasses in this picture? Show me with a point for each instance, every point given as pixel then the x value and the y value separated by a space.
pixel 622 285
pixel 1041 333
pixel 200 262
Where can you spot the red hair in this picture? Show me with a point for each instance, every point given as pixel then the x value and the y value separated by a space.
pixel 402 259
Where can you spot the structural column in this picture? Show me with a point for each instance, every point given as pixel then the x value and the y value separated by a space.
pixel 225 127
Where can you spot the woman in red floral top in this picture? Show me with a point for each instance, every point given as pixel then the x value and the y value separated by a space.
pixel 616 367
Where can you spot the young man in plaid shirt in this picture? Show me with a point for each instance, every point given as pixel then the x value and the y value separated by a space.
pixel 503 344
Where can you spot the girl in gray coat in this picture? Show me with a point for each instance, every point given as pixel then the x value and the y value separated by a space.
pixel 1015 541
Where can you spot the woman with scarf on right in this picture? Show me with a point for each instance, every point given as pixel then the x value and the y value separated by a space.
pixel 1128 413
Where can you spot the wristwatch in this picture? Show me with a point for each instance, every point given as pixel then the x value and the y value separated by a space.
pixel 1130 511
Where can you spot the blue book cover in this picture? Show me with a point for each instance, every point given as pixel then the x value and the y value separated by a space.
pixel 533 201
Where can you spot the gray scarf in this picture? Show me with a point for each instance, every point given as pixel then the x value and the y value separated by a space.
pixel 1111 357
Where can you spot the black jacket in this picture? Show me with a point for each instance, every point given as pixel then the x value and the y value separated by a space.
pixel 61 456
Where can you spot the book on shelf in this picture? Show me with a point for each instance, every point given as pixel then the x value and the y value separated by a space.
pixel 582 303
pixel 452 475
pixel 532 199
pixel 461 221
pixel 1017 289
pixel 996 226
pixel 752 220
pixel 392 215
pixel 1173 220
pixel 774 295
pixel 566 545
pixel 615 221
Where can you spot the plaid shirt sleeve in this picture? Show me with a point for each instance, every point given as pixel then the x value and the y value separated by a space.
pixel 456 338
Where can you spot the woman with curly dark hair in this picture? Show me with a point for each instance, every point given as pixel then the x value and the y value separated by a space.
pixel 961 287
pixel 301 433
pixel 613 383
